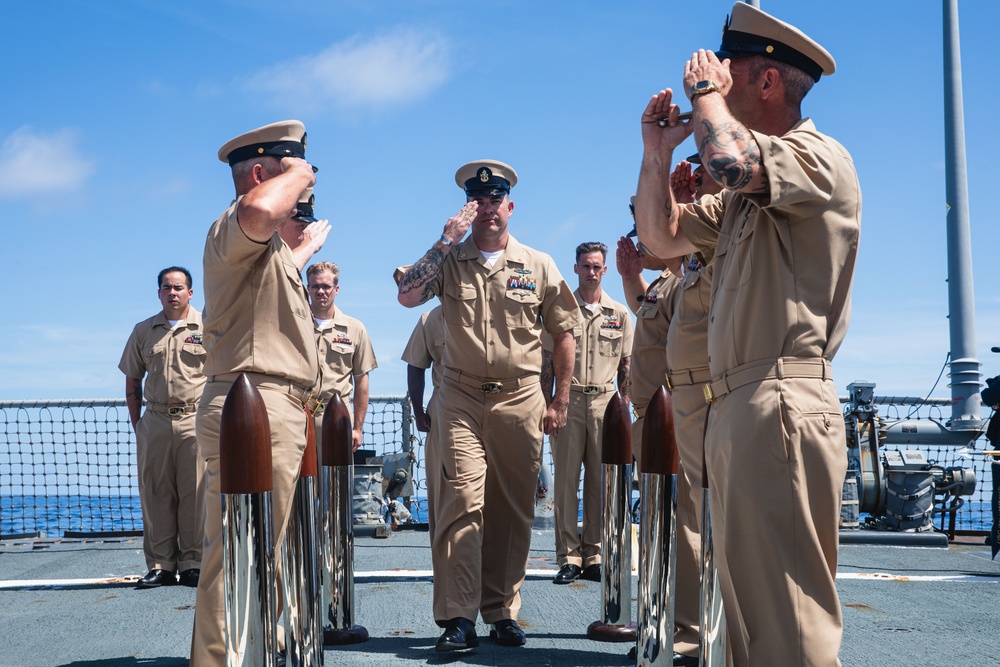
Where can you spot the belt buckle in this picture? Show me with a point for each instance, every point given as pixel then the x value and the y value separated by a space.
pixel 590 390
pixel 314 405
pixel 709 394
pixel 175 411
pixel 491 387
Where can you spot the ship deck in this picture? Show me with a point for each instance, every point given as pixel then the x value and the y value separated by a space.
pixel 73 603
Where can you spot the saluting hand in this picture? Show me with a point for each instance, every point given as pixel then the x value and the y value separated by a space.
pixel 458 225
pixel 658 139
pixel 628 259
pixel 706 66
pixel 297 163
pixel 682 183
pixel 315 233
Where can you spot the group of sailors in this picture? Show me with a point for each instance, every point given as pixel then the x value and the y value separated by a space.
pixel 755 251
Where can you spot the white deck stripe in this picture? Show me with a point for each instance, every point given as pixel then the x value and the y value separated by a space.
pixel 375 575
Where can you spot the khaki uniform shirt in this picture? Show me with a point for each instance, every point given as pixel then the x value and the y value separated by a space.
pixel 257 316
pixel 495 315
pixel 649 360
pixel 603 338
pixel 784 261
pixel 170 359
pixel 425 349
pixel 345 352
pixel 687 339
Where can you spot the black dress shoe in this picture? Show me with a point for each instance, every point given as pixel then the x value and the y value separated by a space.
pixel 157 578
pixel 459 634
pixel 508 633
pixel 567 574
pixel 190 577
pixel 591 572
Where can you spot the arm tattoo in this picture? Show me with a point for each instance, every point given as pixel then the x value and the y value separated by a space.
pixel 422 274
pixel 733 155
pixel 547 378
pixel 136 392
pixel 625 375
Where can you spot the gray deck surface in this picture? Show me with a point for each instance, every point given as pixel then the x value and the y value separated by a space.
pixel 887 621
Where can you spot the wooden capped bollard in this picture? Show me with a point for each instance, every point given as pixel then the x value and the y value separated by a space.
pixel 245 477
pixel 616 537
pixel 657 534
pixel 712 617
pixel 337 535
pixel 301 562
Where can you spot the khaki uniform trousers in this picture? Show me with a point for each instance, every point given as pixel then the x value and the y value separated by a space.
pixel 490 448
pixel 579 444
pixel 432 466
pixel 288 442
pixel 170 490
pixel 689 409
pixel 776 467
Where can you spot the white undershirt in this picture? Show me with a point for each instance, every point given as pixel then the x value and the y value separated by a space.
pixel 322 324
pixel 592 307
pixel 174 323
pixel 491 257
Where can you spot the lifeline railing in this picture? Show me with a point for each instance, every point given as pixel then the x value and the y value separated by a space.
pixel 68 466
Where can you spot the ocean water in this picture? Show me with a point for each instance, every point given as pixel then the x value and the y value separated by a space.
pixel 54 515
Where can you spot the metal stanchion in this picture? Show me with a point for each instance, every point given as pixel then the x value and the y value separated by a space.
pixel 336 510
pixel 657 534
pixel 712 622
pixel 248 578
pixel 301 563
pixel 616 538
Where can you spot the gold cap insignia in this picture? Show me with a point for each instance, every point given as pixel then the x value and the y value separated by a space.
pixel 260 150
pixel 769 49
pixel 485 174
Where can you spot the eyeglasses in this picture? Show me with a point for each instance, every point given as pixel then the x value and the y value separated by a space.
pixel 321 288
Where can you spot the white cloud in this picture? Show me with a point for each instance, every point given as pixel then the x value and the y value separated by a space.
pixel 403 65
pixel 34 163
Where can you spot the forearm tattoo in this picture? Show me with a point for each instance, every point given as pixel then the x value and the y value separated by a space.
pixel 422 275
pixel 733 155
pixel 136 392
pixel 547 378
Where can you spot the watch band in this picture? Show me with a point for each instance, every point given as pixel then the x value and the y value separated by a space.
pixel 701 88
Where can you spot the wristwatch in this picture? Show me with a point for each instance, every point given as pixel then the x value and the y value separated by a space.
pixel 701 88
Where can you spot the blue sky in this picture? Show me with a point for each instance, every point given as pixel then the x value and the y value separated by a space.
pixel 114 111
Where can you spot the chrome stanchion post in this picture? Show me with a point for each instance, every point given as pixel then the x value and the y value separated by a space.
pixel 300 561
pixel 616 537
pixel 657 534
pixel 248 579
pixel 712 621
pixel 338 527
